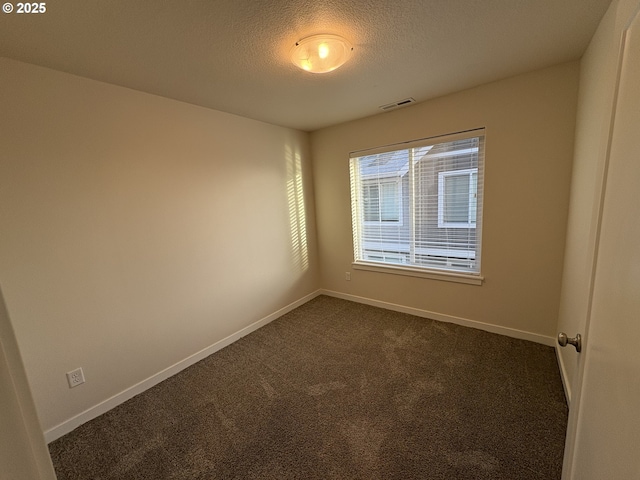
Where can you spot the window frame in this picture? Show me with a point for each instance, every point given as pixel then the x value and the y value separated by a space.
pixel 442 176
pixel 465 268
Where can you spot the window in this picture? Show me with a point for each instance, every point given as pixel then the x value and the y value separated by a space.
pixel 458 198
pixel 382 200
pixel 417 208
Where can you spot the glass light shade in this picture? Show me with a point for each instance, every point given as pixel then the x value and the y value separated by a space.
pixel 321 53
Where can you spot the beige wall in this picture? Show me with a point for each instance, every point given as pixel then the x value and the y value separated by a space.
pixel 530 122
pixel 598 76
pixel 138 230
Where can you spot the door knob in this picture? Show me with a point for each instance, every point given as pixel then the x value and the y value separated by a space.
pixel 563 339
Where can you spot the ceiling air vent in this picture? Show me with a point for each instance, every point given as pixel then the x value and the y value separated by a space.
pixel 398 104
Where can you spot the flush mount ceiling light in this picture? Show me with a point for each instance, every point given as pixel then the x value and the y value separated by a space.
pixel 321 53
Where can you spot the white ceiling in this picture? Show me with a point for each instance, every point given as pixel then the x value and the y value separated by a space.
pixel 233 55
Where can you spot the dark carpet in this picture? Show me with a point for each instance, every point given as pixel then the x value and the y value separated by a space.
pixel 338 390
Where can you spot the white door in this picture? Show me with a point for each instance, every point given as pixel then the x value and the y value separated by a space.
pixel 607 414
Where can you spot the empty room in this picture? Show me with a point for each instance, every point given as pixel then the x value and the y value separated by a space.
pixel 319 239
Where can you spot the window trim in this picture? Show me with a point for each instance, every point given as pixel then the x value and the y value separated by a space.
pixel 427 271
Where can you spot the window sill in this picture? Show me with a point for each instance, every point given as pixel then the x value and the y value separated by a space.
pixel 420 273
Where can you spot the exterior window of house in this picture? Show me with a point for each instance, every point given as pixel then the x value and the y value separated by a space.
pixel 417 207
pixel 382 200
pixel 458 198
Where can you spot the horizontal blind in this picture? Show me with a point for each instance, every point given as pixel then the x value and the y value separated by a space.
pixel 420 206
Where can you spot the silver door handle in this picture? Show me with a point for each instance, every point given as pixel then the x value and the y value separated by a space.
pixel 563 339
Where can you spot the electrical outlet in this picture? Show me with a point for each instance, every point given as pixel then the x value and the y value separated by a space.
pixel 347 276
pixel 75 377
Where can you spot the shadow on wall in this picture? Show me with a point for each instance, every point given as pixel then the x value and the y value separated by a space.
pixel 297 217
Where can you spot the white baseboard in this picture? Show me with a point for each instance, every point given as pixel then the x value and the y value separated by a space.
pixel 564 376
pixel 106 405
pixel 509 332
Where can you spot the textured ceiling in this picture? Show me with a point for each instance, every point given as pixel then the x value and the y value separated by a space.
pixel 233 55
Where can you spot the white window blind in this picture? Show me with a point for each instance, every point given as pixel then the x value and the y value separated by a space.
pixel 420 204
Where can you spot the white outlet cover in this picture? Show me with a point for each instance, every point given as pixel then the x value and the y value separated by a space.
pixel 75 377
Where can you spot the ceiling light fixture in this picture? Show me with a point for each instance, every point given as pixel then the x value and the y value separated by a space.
pixel 321 53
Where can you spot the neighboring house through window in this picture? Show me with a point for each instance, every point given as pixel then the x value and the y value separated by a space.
pixel 418 207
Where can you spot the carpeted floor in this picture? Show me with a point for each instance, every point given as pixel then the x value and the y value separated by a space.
pixel 339 390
